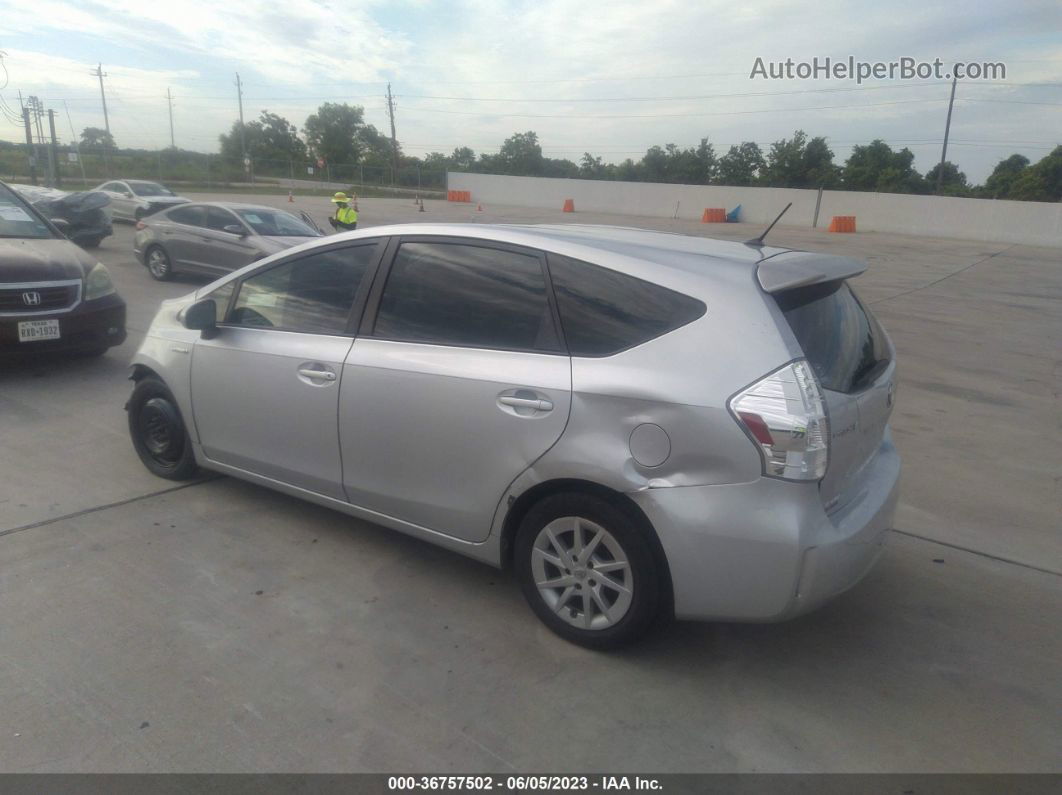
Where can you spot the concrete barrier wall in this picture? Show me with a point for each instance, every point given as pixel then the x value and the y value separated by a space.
pixel 1034 223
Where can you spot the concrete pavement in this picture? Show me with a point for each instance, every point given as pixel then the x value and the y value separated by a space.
pixel 222 627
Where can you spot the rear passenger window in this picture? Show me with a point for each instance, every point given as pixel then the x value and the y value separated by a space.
pixel 192 216
pixel 218 218
pixel 313 294
pixel 604 312
pixel 455 294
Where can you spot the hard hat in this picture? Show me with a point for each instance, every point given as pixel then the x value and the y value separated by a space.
pixel 340 196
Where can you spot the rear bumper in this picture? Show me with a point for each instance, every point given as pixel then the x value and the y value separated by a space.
pixel 767 550
pixel 89 326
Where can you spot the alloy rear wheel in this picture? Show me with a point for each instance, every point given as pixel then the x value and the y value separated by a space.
pixel 158 264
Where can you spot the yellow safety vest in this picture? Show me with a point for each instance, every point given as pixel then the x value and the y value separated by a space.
pixel 346 215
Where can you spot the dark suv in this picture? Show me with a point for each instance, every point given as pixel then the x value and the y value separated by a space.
pixel 53 295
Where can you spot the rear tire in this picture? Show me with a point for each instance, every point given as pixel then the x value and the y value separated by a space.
pixel 588 571
pixel 158 431
pixel 158 264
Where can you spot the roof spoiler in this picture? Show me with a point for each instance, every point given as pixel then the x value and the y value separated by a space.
pixel 790 269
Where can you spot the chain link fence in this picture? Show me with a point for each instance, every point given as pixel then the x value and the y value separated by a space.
pixel 78 170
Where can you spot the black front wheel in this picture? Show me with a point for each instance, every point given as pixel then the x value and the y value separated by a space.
pixel 158 431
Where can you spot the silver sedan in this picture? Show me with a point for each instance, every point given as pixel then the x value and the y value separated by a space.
pixel 214 238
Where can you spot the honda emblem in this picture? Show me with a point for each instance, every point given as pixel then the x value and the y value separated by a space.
pixel 31 298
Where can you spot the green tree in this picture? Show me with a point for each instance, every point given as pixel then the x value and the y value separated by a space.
pixel 819 168
pixel 1003 176
pixel 559 167
pixel 97 138
pixel 800 163
pixel 334 132
pixel 269 138
pixel 1040 182
pixel 463 159
pixel 741 165
pixel 591 167
pixel 876 167
pixel 785 162
pixel 707 162
pixel 521 155
pixel 954 182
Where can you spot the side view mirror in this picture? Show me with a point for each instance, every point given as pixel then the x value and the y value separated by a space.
pixel 202 316
pixel 62 225
pixel 235 229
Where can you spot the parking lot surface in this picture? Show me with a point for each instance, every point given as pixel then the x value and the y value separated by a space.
pixel 218 626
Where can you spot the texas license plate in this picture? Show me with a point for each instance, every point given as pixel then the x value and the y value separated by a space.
pixel 34 330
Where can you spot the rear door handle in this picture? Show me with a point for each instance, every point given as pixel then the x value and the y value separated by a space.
pixel 526 403
pixel 321 375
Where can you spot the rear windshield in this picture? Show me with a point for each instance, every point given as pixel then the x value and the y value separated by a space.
pixel 839 335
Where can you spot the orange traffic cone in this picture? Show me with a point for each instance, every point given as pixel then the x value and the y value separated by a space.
pixel 291 198
pixel 569 206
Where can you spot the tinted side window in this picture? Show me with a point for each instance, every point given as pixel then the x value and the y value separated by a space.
pixel 218 218
pixel 605 312
pixel 313 294
pixel 456 294
pixel 192 216
pixel 842 340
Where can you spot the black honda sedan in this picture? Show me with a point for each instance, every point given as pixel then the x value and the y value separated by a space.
pixel 53 295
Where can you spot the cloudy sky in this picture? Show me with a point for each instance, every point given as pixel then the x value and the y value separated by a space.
pixel 611 77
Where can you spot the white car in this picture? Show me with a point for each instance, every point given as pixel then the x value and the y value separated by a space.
pixel 132 199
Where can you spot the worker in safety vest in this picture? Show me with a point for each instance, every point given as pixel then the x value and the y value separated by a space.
pixel 346 216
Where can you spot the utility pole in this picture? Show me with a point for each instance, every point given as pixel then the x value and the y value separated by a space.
pixel 77 147
pixel 169 100
pixel 54 150
pixel 947 129
pixel 29 145
pixel 37 110
pixel 243 138
pixel 106 120
pixel 394 141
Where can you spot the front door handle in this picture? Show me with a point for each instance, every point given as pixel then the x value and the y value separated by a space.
pixel 536 404
pixel 320 375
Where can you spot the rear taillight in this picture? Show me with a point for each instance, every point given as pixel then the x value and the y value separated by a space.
pixel 785 414
pixel 140 225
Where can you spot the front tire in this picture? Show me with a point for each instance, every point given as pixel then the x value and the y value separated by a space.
pixel 158 431
pixel 158 264
pixel 588 571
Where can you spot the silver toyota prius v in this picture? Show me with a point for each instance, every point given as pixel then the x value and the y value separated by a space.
pixel 641 425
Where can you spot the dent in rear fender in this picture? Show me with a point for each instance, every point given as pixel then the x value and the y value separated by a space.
pixel 734 550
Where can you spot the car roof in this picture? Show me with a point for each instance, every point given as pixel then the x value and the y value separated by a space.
pixel 235 206
pixel 671 251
